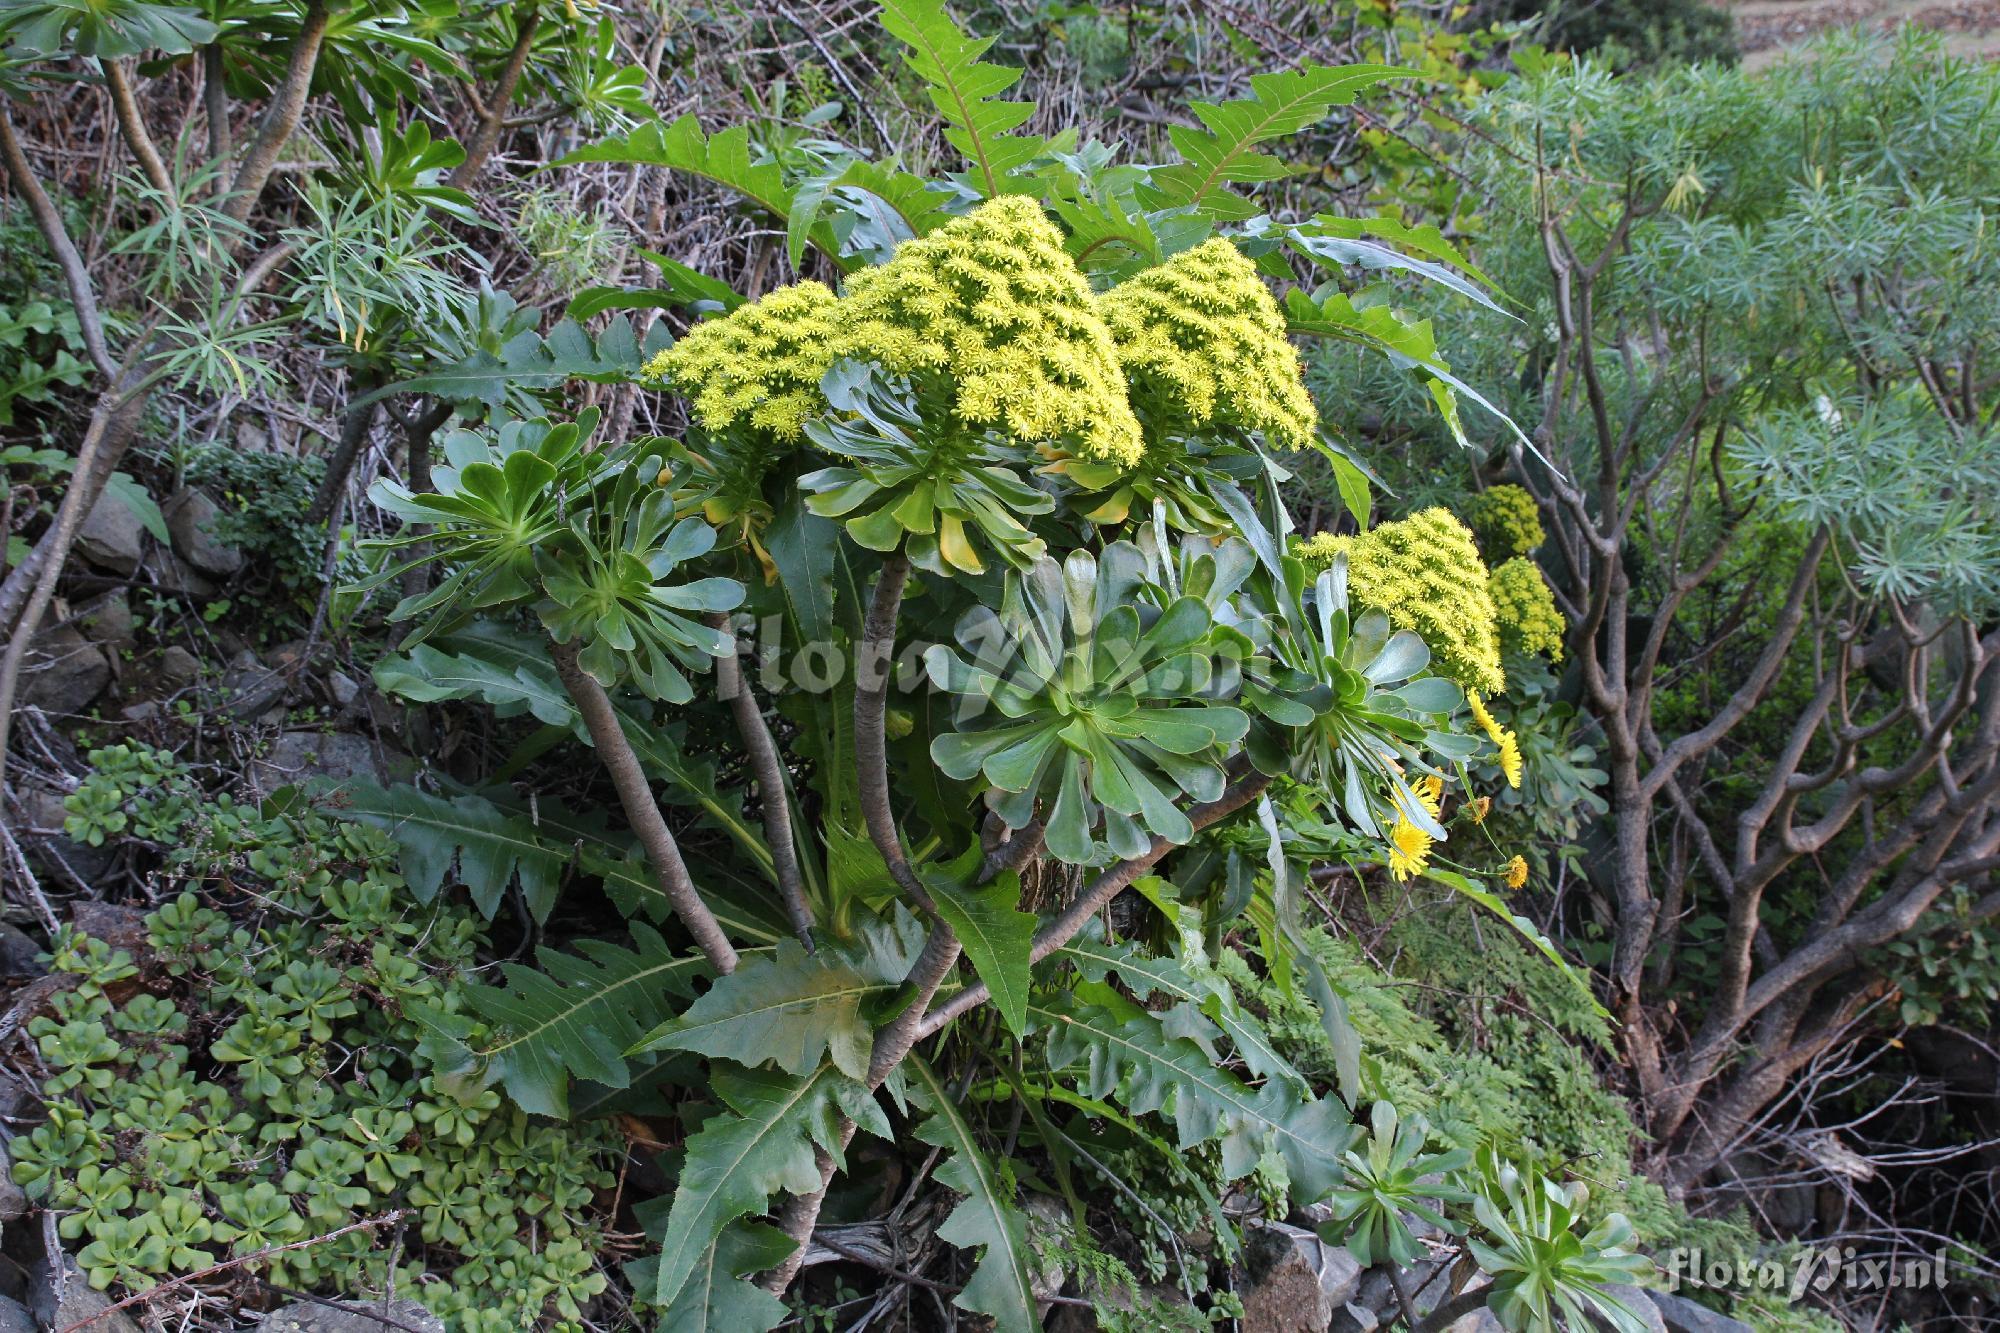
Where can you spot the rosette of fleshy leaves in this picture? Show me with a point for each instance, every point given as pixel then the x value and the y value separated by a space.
pixel 497 497
pixel 1347 705
pixel 1088 702
pixel 529 516
pixel 919 478
pixel 608 586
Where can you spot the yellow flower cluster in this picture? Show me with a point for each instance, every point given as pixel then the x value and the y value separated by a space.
pixel 1526 608
pixel 760 364
pixel 1201 334
pixel 1426 574
pixel 1410 846
pixel 1517 872
pixel 1509 743
pixel 1505 520
pixel 992 301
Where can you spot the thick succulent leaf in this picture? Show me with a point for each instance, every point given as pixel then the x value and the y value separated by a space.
pixel 1224 151
pixel 572 1019
pixel 1149 1070
pixel 965 90
pixel 995 932
pixel 1002 1285
pixel 762 1145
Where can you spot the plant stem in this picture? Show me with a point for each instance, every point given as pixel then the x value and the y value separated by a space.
pixel 871 745
pixel 1108 886
pixel 132 124
pixel 493 115
pixel 50 223
pixel 772 789
pixel 641 810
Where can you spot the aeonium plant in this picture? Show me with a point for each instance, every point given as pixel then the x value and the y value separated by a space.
pixel 1077 487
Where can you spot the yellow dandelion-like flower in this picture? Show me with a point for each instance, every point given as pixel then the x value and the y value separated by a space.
pixel 1483 716
pixel 1425 573
pixel 1204 345
pixel 1510 757
pixel 992 303
pixel 1481 807
pixel 1526 610
pixel 1430 793
pixel 1517 872
pixel 1409 850
pixel 759 365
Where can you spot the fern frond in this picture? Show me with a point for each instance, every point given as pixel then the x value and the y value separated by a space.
pixel 575 1018
pixel 723 157
pixel 964 88
pixel 1225 153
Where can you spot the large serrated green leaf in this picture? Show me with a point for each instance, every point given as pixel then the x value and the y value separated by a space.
pixel 491 849
pixel 791 1008
pixel 572 1019
pixel 1210 996
pixel 1002 1284
pixel 965 90
pixel 763 1144
pixel 996 933
pixel 717 1298
pixel 723 157
pixel 1280 104
pixel 1150 1070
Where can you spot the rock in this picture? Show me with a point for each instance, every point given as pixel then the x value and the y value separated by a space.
pixel 1295 1280
pixel 342 687
pixel 14 1317
pixel 20 956
pixel 299 756
pixel 146 711
pixel 108 621
pixel 170 573
pixel 1047 1215
pixel 308 1317
pixel 1681 1315
pixel 190 521
pixel 62 1298
pixel 178 667
pixel 1639 1303
pixel 1479 1321
pixel 13 1200
pixel 253 688
pixel 117 925
pixel 111 536
pixel 42 809
pixel 63 671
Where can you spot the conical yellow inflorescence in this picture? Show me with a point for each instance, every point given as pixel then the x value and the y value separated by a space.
pixel 760 365
pixel 1505 521
pixel 1426 574
pixel 1201 336
pixel 1528 618
pixel 992 302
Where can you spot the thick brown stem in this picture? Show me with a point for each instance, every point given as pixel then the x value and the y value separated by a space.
pixel 871 745
pixel 132 124
pixel 493 117
pixel 641 810
pixel 354 426
pixel 769 769
pixel 215 103
pixel 108 418
pixel 281 117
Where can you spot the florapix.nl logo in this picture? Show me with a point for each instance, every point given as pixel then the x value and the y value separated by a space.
pixel 1823 1269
